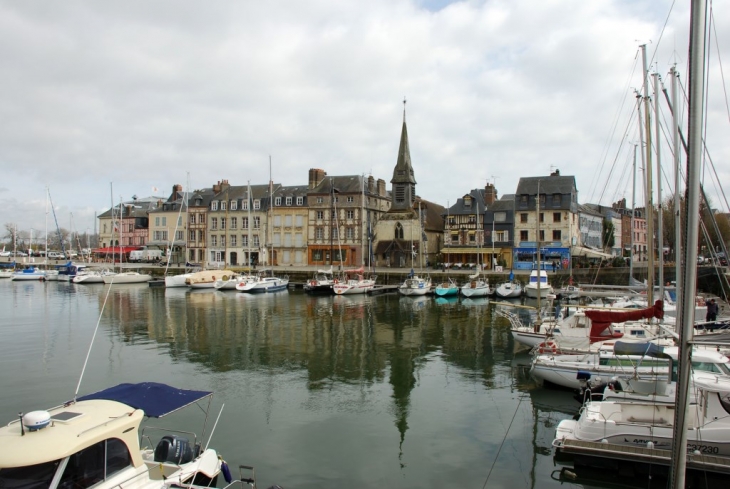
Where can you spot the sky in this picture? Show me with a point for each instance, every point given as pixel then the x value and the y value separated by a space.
pixel 103 101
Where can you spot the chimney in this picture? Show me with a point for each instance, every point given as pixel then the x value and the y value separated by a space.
pixel 224 185
pixel 381 187
pixel 371 184
pixel 490 194
pixel 217 187
pixel 556 173
pixel 315 177
pixel 176 188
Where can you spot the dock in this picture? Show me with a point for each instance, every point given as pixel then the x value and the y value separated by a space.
pixel 606 451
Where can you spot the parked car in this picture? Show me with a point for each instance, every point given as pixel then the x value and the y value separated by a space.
pixel 6 253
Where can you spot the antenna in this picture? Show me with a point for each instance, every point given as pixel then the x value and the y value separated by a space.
pixel 404 108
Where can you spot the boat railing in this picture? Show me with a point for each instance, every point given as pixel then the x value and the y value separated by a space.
pixel 511 317
pixel 242 481
pixel 146 437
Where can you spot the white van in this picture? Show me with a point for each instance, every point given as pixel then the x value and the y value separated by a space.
pixel 145 255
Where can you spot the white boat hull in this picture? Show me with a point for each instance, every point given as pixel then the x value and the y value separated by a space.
pixel 177 280
pixel 508 290
pixel 127 278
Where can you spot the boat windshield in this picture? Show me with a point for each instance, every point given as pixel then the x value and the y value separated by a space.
pixel 29 477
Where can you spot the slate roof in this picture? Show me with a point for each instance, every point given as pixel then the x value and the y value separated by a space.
pixel 553 184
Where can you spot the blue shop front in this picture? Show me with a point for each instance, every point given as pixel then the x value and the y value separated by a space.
pixel 553 256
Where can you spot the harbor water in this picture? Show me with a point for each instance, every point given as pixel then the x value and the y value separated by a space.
pixel 313 391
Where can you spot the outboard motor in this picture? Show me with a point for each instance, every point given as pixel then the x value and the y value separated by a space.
pixel 173 449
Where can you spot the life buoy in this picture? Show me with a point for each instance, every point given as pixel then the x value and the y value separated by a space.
pixel 337 281
pixel 549 347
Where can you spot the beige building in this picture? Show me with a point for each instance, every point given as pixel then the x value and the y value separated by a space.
pixel 290 220
pixel 168 225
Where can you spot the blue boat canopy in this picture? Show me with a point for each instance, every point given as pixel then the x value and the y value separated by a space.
pixel 156 400
pixel 639 349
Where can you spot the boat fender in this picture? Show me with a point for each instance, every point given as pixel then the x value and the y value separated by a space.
pixel 337 281
pixel 548 347
pixel 213 277
pixel 226 471
pixel 225 278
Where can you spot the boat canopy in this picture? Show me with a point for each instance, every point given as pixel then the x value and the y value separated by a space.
pixel 640 349
pixel 155 399
pixel 601 319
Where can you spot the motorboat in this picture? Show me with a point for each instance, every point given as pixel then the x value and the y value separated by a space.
pixel 68 271
pixel 127 278
pixel 476 287
pixel 264 285
pixel 415 285
pixel 321 283
pixel 651 425
pixel 30 273
pixel 447 289
pixel 538 285
pixel 637 360
pixel 99 440
pixel 509 290
pixel 206 279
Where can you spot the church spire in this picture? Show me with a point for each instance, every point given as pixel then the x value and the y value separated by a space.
pixel 404 181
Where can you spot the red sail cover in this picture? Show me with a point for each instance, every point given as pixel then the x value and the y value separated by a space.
pixel 601 320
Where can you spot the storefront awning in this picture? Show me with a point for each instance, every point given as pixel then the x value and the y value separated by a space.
pixel 115 249
pixel 589 252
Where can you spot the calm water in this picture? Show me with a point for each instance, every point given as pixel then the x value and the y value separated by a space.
pixel 324 392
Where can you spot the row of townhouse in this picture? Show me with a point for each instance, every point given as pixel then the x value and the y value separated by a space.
pixel 332 221
pixel 353 220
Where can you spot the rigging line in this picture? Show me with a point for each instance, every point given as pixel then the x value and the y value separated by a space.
pixel 661 34
pixel 502 444
pixel 613 165
pixel 719 60
pixel 604 152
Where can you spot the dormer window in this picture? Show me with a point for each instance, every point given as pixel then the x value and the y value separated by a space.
pixel 256 204
pixel 214 205
pixel 277 201
pixel 244 205
pixel 300 200
pixel 467 201
pixel 234 205
pixel 288 201
pixel 223 205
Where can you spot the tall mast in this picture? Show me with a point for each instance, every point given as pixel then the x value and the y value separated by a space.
pixel 659 228
pixel 633 216
pixel 649 184
pixel 677 185
pixel 692 208
pixel 248 238
pixel 538 322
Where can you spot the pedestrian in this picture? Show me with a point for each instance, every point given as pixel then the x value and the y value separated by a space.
pixel 711 316
pixel 555 266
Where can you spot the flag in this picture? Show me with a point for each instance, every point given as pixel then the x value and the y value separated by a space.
pixel 155 190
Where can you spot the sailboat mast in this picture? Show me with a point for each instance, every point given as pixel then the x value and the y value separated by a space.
pixel 677 185
pixel 649 184
pixel 692 209
pixel 660 227
pixel 633 217
pixel 538 322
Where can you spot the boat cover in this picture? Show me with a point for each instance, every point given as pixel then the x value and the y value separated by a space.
pixel 156 400
pixel 639 349
pixel 601 319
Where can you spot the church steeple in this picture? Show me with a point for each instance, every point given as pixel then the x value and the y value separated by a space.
pixel 404 182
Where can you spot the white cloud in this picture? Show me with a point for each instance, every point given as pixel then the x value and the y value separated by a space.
pixel 140 94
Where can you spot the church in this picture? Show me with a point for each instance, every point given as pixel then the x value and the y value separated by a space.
pixel 410 234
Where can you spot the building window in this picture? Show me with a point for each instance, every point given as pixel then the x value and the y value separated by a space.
pixel 542 217
pixel 524 235
pixel 350 233
pixel 398 231
pixel 287 220
pixel 200 235
pixel 233 240
pixel 524 200
pixel 277 201
pixel 500 236
pixel 523 217
pixel 214 205
pixel 256 204
pixel 234 223
pixel 244 223
pixel 334 214
pixel 556 216
pixel 500 216
pixel 214 240
pixel 320 215
pixel 257 223
pixel 223 241
pixel 300 200
pixel 244 240
pixel 454 238
pixel 335 233
pixel 223 205
pixel 157 221
pixel 557 235
pixel 234 205
pixel 472 238
pixel 223 222
pixel 288 201
pixel 256 241
pixel 191 235
pixel 351 214
pixel 472 219
pixel 542 200
pixel 214 223
pixel 244 205
pixel 452 221
pixel 319 234
pixel 542 235
pixel 556 199
pixel 350 199
pixel 320 200
pixel 317 255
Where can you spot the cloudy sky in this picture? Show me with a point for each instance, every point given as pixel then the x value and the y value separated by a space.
pixel 106 100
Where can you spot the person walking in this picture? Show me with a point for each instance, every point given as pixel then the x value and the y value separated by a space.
pixel 711 316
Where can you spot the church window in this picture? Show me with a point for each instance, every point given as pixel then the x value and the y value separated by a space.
pixel 398 231
pixel 400 194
